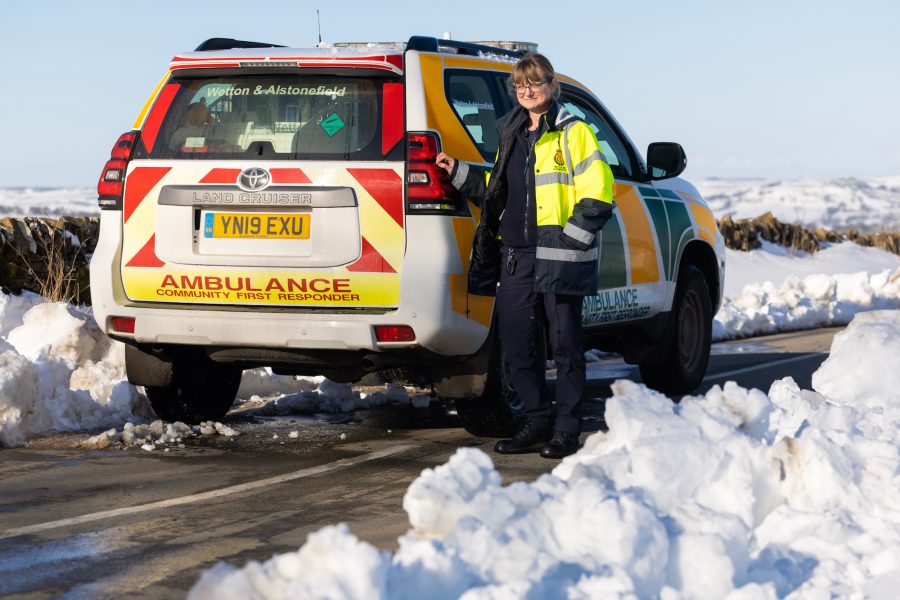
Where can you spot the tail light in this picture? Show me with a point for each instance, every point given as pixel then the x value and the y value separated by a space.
pixel 122 324
pixel 428 189
pixel 112 179
pixel 394 333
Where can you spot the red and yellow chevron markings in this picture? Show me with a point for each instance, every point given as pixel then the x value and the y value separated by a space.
pixel 137 214
pixel 373 277
pixel 381 216
pixel 146 256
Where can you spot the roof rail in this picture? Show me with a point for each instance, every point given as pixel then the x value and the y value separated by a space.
pixel 228 44
pixel 431 44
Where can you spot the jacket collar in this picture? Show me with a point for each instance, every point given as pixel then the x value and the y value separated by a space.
pixel 555 118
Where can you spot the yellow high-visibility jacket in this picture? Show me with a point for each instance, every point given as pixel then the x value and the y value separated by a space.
pixel 572 186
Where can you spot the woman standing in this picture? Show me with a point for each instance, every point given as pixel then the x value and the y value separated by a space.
pixel 548 195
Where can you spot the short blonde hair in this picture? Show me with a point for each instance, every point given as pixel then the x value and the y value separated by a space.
pixel 534 68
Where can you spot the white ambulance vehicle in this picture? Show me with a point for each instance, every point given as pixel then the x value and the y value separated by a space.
pixel 281 207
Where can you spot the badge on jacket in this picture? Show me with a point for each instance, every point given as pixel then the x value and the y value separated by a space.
pixel 559 160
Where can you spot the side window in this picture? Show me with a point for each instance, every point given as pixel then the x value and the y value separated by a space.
pixel 614 149
pixel 476 108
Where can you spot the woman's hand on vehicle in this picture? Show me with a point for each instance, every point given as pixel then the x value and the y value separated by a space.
pixel 445 162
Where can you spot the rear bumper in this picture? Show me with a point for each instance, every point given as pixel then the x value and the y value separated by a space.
pixel 425 305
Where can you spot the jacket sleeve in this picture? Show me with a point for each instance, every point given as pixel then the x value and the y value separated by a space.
pixel 471 182
pixel 593 187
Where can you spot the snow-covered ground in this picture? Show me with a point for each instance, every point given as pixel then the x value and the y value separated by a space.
pixel 734 494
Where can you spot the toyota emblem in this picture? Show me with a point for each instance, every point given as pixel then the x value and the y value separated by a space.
pixel 253 179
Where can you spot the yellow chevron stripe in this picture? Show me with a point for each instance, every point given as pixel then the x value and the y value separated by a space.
pixel 141 226
pixel 377 226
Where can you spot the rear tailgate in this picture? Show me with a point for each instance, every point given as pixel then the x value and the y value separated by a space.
pixel 268 189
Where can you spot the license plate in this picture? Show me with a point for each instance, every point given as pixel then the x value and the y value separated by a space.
pixel 256 225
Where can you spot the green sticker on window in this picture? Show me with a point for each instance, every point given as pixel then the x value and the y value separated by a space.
pixel 332 124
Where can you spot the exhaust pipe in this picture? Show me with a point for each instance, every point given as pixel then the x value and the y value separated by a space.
pixel 372 362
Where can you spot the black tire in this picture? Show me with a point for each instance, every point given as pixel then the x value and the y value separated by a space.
pixel 497 412
pixel 198 392
pixel 687 339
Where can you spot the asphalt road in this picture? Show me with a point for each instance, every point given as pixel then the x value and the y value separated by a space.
pixel 78 523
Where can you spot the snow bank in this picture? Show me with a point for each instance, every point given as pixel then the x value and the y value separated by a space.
pixel 58 372
pixel 735 493
pixel 814 301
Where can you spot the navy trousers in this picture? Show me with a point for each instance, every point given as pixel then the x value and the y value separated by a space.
pixel 522 314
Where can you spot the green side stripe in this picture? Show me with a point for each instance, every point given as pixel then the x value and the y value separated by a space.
pixel 658 216
pixel 682 230
pixel 668 194
pixel 612 256
pixel 647 192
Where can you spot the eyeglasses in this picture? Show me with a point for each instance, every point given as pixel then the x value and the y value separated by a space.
pixel 532 87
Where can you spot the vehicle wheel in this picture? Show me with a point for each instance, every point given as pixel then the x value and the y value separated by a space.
pixel 497 412
pixel 197 392
pixel 687 339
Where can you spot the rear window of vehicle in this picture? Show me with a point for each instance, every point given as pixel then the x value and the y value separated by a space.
pixel 285 117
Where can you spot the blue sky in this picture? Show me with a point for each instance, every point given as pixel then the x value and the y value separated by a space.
pixel 772 89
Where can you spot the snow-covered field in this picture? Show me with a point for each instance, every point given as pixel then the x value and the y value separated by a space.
pixel 48 202
pixel 864 204
pixel 738 493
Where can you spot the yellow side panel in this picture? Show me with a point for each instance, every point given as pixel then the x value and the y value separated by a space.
pixel 641 249
pixel 477 308
pixel 706 223
pixel 476 63
pixel 140 118
pixel 456 142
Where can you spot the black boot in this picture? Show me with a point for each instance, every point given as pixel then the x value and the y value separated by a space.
pixel 563 444
pixel 525 440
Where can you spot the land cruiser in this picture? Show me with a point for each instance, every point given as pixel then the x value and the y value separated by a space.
pixel 281 207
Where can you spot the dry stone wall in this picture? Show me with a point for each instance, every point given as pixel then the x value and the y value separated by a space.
pixel 48 256
pixel 745 234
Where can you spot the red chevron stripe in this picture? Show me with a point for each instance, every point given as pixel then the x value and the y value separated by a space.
pixel 139 183
pixel 371 261
pixel 155 118
pixel 289 176
pixel 386 187
pixel 221 176
pixel 146 256
pixel 392 127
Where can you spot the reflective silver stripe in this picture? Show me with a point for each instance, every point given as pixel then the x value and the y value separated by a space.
pixel 563 254
pixel 462 171
pixel 587 162
pixel 552 178
pixel 582 235
pixel 568 154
